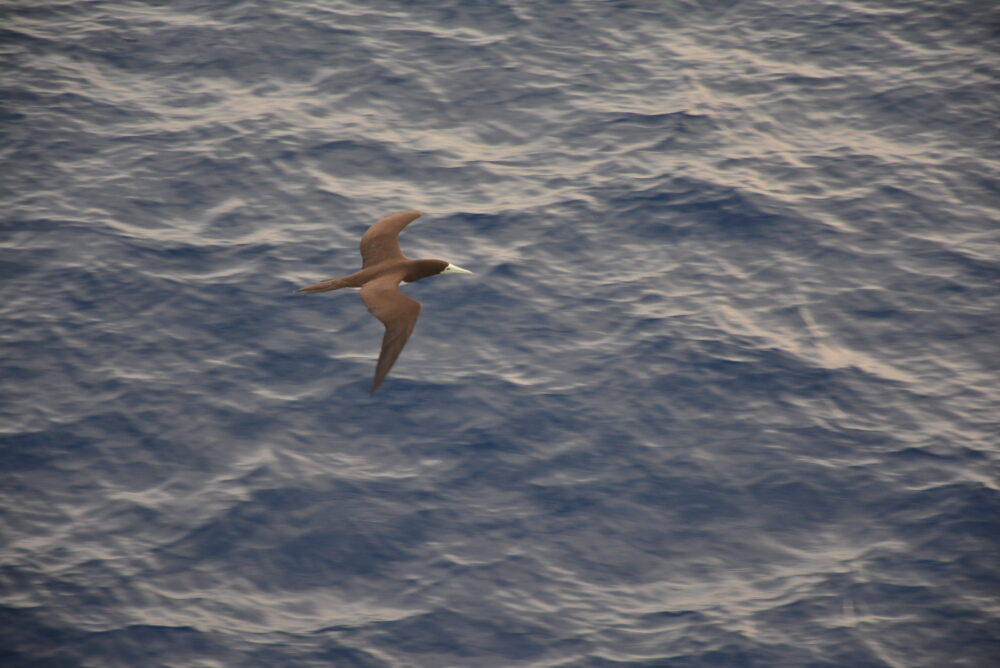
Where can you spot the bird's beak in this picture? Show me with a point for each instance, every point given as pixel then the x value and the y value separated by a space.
pixel 452 269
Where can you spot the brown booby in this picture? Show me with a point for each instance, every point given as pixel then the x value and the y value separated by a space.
pixel 383 267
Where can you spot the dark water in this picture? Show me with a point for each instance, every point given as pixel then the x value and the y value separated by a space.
pixel 722 392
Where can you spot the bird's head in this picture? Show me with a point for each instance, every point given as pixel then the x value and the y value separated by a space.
pixel 424 268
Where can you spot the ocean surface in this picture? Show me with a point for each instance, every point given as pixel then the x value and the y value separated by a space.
pixel 722 392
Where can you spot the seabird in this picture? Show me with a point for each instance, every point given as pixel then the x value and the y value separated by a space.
pixel 383 267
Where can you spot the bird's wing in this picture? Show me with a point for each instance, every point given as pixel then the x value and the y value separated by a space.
pixel 397 312
pixel 381 241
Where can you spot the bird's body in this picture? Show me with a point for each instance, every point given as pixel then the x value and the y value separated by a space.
pixel 383 267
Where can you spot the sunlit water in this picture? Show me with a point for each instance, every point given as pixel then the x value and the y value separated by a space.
pixel 722 392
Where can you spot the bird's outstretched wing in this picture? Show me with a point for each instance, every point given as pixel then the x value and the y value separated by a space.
pixel 381 241
pixel 397 312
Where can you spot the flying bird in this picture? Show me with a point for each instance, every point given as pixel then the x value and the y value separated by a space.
pixel 383 267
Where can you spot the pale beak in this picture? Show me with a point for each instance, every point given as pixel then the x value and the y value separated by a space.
pixel 452 269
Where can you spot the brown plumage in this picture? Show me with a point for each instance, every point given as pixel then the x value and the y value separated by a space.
pixel 383 267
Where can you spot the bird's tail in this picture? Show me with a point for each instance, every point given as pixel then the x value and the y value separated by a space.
pixel 327 285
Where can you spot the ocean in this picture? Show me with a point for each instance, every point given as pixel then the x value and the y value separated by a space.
pixel 722 391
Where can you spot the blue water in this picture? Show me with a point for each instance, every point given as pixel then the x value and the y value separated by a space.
pixel 723 390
